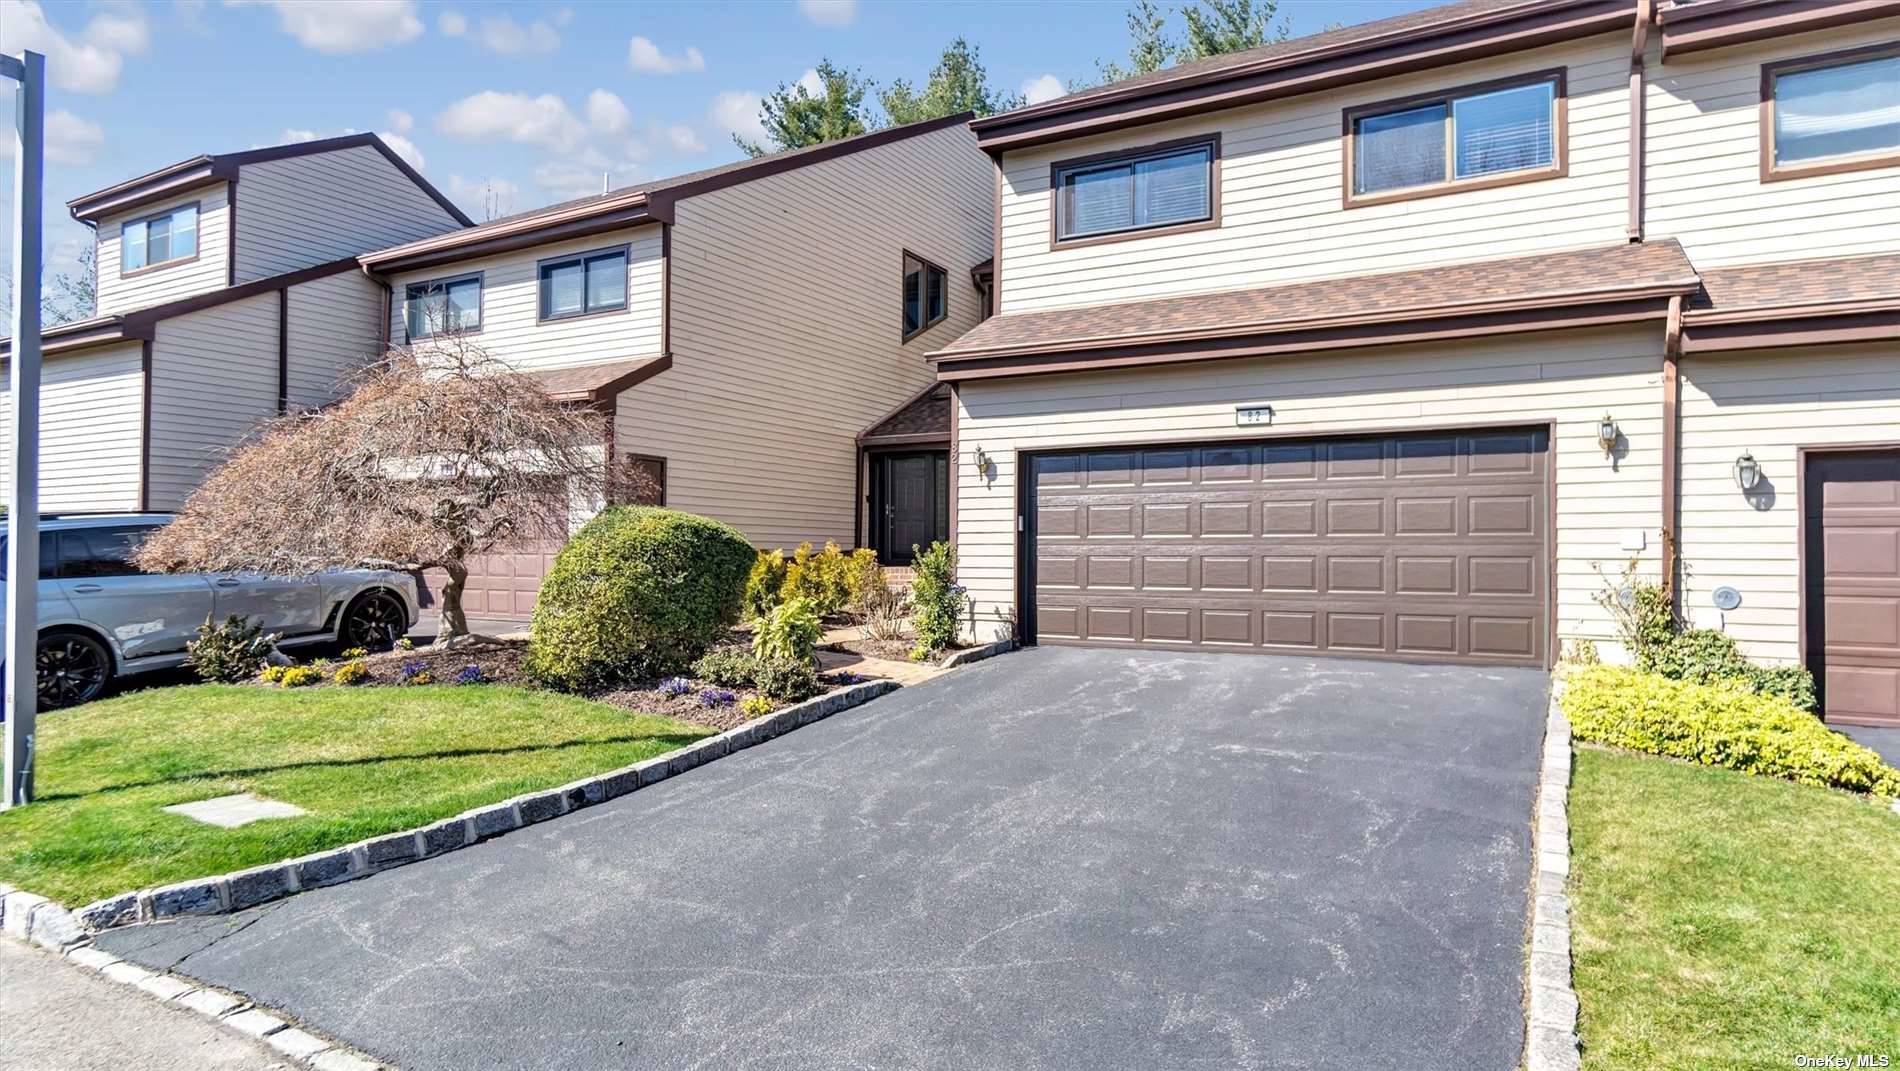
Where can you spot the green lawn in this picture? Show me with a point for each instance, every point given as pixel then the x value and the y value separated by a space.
pixel 1723 920
pixel 362 761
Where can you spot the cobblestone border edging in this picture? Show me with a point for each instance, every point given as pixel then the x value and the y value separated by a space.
pixel 977 654
pixel 242 889
pixel 44 923
pixel 1551 1039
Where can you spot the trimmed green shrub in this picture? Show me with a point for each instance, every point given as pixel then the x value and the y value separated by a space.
pixel 789 633
pixel 639 591
pixel 728 667
pixel 764 583
pixel 786 680
pixel 1719 725
pixel 1709 656
pixel 936 599
pixel 1792 684
pixel 230 652
pixel 753 706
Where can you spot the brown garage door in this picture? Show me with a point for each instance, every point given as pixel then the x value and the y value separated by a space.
pixel 1431 547
pixel 501 589
pixel 1853 584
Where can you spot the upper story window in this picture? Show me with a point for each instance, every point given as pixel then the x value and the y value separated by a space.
pixel 1127 194
pixel 442 305
pixel 926 294
pixel 157 240
pixel 1486 135
pixel 584 284
pixel 1837 112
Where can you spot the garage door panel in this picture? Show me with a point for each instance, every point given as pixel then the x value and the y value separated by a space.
pixel 1853 596
pixel 1380 546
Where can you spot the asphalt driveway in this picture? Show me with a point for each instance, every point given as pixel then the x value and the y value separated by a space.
pixel 1059 859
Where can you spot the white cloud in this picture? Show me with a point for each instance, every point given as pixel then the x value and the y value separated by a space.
pixel 829 12
pixel 401 121
pixel 504 36
pixel 1045 87
pixel 607 113
pixel 811 83
pixel 335 28
pixel 493 116
pixel 567 179
pixel 69 139
pixel 451 23
pixel 736 111
pixel 484 198
pixel 293 135
pixel 682 138
pixel 402 147
pixel 88 63
pixel 644 55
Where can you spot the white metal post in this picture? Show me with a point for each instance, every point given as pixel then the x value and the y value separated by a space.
pixel 23 437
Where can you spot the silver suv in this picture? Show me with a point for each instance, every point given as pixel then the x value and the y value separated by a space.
pixel 101 617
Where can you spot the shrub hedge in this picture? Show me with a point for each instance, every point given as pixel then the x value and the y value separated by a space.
pixel 1719 724
pixel 1709 656
pixel 639 591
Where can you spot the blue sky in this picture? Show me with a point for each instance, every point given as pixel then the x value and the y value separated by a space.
pixel 505 104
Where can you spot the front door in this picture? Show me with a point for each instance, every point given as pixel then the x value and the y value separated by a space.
pixel 1852 600
pixel 910 503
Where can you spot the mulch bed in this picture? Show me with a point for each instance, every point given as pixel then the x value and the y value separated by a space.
pixel 889 650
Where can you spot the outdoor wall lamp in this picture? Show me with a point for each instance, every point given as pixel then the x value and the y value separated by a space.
pixel 1606 434
pixel 1747 472
pixel 981 460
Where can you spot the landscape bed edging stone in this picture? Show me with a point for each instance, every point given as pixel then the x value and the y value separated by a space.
pixel 977 654
pixel 1551 1042
pixel 235 891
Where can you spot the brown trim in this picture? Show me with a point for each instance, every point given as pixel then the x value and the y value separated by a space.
pixel 601 393
pixel 857 501
pixel 1281 73
pixel 152 185
pixel 283 351
pixel 79 335
pixel 923 294
pixel 610 414
pixel 481 303
pixel 1209 141
pixel 1711 24
pixel 1792 327
pixel 1639 51
pixel 1770 171
pixel 996 239
pixel 955 472
pixel 1805 614
pixel 1425 327
pixel 625 249
pixel 230 234
pixel 145 427
pixel 666 290
pixel 629 207
pixel 140 322
pixel 662 463
pixel 1559 133
pixel 1025 528
pixel 389 310
pixel 197 233
pixel 1671 446
pixel 923 438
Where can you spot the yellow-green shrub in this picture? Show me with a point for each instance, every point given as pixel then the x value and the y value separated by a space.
pixel 300 676
pixel 352 672
pixel 1720 724
pixel 822 578
pixel 764 583
pixel 272 674
pixel 753 706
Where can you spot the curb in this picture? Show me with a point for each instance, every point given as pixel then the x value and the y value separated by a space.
pixel 1551 1042
pixel 238 890
pixel 38 915
pixel 977 654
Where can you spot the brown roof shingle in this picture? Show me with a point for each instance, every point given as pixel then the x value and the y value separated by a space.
pixel 927 415
pixel 1753 288
pixel 596 382
pixel 1577 277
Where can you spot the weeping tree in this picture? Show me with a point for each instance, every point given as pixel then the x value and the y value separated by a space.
pixel 436 455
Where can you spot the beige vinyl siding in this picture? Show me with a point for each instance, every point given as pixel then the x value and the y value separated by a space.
pixel 1570 378
pixel 335 328
pixel 214 377
pixel 322 207
pixel 787 325
pixel 1281 180
pixel 170 282
pixel 91 408
pixel 511 304
pixel 1768 404
pixel 1703 174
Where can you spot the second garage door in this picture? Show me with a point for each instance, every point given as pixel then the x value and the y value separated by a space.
pixel 1427 547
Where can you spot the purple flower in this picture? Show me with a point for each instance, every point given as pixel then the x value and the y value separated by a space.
pixel 716 697
pixel 410 670
pixel 848 677
pixel 958 589
pixel 675 686
pixel 469 674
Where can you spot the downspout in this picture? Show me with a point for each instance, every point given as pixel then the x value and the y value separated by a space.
pixel 1672 447
pixel 1639 46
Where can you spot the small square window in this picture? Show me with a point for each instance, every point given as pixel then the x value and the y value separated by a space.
pixel 161 239
pixel 926 295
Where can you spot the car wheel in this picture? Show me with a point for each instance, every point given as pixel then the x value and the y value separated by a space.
pixel 374 620
pixel 74 668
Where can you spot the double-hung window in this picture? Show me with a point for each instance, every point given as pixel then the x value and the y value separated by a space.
pixel 926 294
pixel 1485 135
pixel 583 284
pixel 1839 112
pixel 443 305
pixel 1169 186
pixel 162 239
